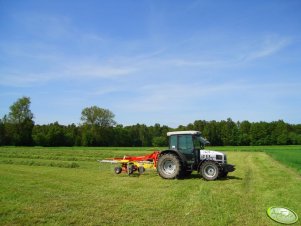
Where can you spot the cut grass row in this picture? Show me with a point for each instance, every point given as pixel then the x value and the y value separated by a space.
pixel 71 153
pixel 288 155
pixel 40 163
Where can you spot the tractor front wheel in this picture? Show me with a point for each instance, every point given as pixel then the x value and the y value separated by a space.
pixel 169 166
pixel 209 170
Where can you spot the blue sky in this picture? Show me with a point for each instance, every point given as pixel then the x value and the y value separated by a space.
pixel 167 62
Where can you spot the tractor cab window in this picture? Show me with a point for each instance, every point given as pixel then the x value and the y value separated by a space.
pixel 196 143
pixel 173 142
pixel 185 144
pixel 203 141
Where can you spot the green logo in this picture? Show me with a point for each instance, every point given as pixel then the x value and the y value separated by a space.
pixel 282 215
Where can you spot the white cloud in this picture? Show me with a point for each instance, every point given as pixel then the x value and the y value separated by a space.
pixel 267 47
pixel 212 101
pixel 44 25
pixel 19 79
pixel 173 97
pixel 96 71
pixel 193 63
pixel 58 66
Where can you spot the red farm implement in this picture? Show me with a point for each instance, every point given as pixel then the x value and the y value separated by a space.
pixel 130 164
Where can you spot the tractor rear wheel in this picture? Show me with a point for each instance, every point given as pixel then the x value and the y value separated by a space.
pixel 169 166
pixel 209 170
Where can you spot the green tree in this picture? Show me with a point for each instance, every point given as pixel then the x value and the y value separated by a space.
pixel 97 116
pixel 280 131
pixel 229 132
pixel 39 135
pixel 212 132
pixel 199 125
pixel 160 141
pixel 87 136
pixel 137 134
pixel 121 137
pixel 72 135
pixel 2 133
pixel 56 136
pixel 244 133
pixel 260 133
pixel 97 126
pixel 21 119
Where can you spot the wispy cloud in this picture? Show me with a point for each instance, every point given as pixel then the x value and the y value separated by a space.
pixel 189 97
pixel 40 24
pixel 269 46
pixel 20 78
pixel 193 63
pixel 97 71
pixel 23 79
pixel 156 60
pixel 59 66
pixel 169 97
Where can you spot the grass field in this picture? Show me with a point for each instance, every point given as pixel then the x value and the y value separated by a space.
pixel 288 155
pixel 67 186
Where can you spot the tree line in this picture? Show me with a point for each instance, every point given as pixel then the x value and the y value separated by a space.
pixel 98 128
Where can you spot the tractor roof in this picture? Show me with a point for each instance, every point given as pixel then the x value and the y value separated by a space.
pixel 192 132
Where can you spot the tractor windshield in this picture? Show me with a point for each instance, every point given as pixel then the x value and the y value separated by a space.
pixel 199 142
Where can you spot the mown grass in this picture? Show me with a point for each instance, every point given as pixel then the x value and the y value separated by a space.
pixel 288 155
pixel 93 195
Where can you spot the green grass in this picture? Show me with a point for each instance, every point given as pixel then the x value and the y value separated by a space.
pixel 288 155
pixel 91 194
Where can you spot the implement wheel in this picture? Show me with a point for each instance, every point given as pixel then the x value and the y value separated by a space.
pixel 130 169
pixel 117 169
pixel 141 169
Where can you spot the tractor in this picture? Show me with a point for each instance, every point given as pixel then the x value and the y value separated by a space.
pixel 186 153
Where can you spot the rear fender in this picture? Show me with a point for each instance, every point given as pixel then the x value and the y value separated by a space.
pixel 177 153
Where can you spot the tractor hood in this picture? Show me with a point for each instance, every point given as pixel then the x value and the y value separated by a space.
pixel 211 152
pixel 213 156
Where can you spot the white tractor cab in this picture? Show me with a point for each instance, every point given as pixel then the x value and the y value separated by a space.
pixel 186 153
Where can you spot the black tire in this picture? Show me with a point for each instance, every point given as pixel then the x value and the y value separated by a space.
pixel 169 166
pixel 130 169
pixel 141 169
pixel 209 170
pixel 118 169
